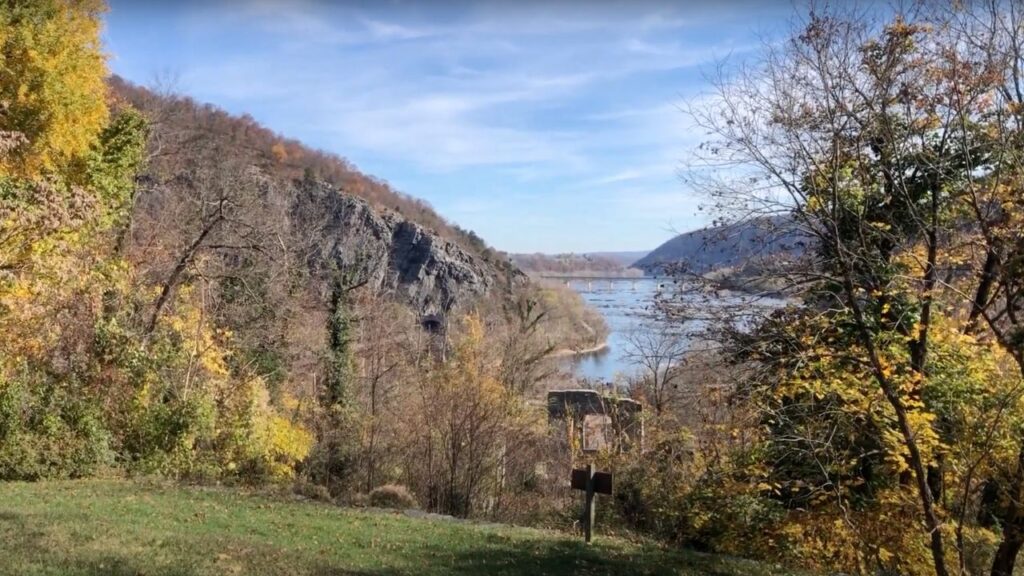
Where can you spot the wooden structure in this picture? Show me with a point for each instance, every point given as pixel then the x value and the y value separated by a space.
pixel 598 422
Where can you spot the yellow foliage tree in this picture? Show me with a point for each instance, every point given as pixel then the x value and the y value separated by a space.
pixel 52 90
pixel 471 426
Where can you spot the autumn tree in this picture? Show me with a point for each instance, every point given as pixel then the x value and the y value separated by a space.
pixel 987 54
pixel 467 425
pixel 845 128
pixel 52 90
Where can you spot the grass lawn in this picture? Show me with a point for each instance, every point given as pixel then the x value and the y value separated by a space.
pixel 125 528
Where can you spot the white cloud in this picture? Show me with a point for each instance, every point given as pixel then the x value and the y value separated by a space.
pixel 384 31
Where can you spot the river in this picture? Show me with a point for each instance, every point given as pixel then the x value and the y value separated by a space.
pixel 629 304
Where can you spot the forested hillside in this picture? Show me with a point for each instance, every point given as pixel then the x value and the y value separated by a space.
pixel 727 246
pixel 179 122
pixel 284 211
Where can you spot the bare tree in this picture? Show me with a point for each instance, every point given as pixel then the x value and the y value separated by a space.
pixel 659 351
pixel 388 353
pixel 524 351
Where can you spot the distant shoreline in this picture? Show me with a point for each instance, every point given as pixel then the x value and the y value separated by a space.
pixel 564 352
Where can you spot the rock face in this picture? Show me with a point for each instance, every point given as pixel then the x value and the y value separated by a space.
pixel 430 273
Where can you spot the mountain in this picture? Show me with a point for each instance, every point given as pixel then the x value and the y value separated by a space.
pixel 283 203
pixel 735 246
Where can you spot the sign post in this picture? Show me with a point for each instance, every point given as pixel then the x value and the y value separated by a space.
pixel 592 483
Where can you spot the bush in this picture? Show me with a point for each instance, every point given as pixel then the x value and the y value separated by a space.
pixel 392 496
pixel 332 461
pixel 161 433
pixel 47 431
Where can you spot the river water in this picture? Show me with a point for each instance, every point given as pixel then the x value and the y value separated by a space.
pixel 628 305
pixel 624 304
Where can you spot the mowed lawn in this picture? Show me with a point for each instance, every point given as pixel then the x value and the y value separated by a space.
pixel 126 528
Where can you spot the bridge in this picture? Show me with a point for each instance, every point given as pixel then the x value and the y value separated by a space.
pixel 591 281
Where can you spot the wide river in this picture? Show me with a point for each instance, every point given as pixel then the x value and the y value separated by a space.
pixel 627 305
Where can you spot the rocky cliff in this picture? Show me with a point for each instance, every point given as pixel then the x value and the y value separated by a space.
pixel 390 252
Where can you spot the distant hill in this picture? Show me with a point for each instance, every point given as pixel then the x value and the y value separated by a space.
pixel 733 246
pixel 625 258
pixel 583 264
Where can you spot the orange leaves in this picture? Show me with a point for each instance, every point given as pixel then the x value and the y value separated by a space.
pixel 279 151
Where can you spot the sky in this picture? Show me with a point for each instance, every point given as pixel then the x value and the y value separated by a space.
pixel 542 126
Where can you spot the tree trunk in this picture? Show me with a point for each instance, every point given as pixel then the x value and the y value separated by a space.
pixel 1013 524
pixel 179 268
pixel 916 461
pixel 1006 554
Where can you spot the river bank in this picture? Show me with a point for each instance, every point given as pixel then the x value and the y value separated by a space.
pixel 569 352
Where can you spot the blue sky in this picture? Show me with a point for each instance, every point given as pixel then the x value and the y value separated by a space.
pixel 551 127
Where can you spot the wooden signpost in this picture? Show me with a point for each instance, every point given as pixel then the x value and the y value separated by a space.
pixel 592 483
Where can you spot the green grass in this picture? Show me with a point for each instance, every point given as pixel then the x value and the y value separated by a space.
pixel 124 528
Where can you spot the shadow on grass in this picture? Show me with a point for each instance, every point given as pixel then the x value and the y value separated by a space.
pixel 121 566
pixel 555 559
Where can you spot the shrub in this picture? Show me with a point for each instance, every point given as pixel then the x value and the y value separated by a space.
pixel 48 432
pixel 392 496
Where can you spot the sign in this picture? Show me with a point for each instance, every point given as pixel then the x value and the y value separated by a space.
pixel 592 483
pixel 602 481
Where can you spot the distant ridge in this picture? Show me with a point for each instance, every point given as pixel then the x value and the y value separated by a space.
pixel 732 246
pixel 625 258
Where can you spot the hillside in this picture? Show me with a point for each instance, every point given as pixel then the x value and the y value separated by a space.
pixel 735 246
pixel 307 215
pixel 122 528
pixel 180 121
pixel 296 224
pixel 625 258
pixel 327 213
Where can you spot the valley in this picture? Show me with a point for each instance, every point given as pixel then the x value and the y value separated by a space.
pixel 312 288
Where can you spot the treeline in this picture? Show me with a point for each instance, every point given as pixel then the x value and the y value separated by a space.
pixel 165 308
pixel 572 264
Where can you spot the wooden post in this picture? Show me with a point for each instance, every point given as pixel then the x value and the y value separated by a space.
pixel 588 508
pixel 592 483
